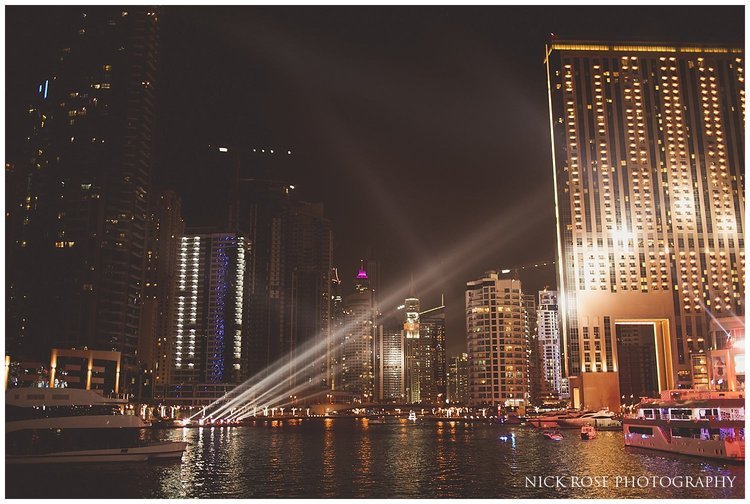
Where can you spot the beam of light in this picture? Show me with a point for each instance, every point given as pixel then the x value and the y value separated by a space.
pixel 503 229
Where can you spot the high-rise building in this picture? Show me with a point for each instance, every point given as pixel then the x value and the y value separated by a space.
pixel 457 379
pixel 432 330
pixel 290 281
pixel 210 294
pixel 549 345
pixel 164 228
pixel 389 364
pixel 356 346
pixel 497 342
pixel 336 333
pixel 648 173
pixel 77 277
pixel 530 325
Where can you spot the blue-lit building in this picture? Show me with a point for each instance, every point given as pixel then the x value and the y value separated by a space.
pixel 206 346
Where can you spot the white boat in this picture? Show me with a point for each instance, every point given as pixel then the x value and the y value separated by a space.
pixel 52 425
pixel 706 424
pixel 412 416
pixel 602 419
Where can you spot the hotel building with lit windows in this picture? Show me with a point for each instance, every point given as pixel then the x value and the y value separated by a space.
pixel 497 341
pixel 209 297
pixel 648 167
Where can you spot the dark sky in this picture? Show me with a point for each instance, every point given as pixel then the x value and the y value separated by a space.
pixel 423 130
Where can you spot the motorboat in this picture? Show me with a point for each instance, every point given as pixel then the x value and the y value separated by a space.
pixel 376 421
pixel 602 420
pixel 551 419
pixel 54 425
pixel 412 416
pixel 552 435
pixel 709 424
pixel 588 432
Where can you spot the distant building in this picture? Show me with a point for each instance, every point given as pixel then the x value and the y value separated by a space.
pixel 336 334
pixel 85 369
pixel 390 366
pixel 164 228
pixel 432 328
pixel 208 318
pixel 549 346
pixel 457 379
pixel 497 342
pixel 648 169
pixel 530 323
pixel 356 345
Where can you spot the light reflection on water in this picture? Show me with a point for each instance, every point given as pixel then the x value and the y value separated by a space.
pixel 353 458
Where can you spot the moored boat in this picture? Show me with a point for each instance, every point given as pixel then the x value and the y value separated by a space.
pixel 706 424
pixel 552 435
pixel 602 420
pixel 52 425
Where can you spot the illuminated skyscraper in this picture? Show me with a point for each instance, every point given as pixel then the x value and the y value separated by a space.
pixel 432 331
pixel 413 351
pixel 497 342
pixel 648 172
pixel 550 358
pixel 457 378
pixel 77 272
pixel 389 364
pixel 357 341
pixel 209 297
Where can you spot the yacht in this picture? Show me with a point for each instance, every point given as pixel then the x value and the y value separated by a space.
pixel 412 416
pixel 707 424
pixel 588 432
pixel 54 425
pixel 602 420
pixel 551 419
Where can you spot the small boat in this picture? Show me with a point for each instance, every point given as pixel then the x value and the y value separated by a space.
pixel 376 421
pixel 552 435
pixel 412 416
pixel 588 432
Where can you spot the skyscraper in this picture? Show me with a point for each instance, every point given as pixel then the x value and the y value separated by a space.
pixel 530 325
pixel 497 342
pixel 78 277
pixel 208 318
pixel 432 330
pixel 389 364
pixel 290 279
pixel 648 170
pixel 550 357
pixel 457 379
pixel 356 368
pixel 164 229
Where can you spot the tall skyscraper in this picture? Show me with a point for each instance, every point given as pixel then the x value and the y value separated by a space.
pixel 457 379
pixel 497 342
pixel 432 330
pixel 549 345
pixel 290 280
pixel 336 333
pixel 164 229
pixel 356 369
pixel 208 319
pixel 77 276
pixel 530 325
pixel 648 171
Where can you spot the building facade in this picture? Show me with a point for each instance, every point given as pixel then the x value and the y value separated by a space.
pixel 648 174
pixel 497 342
pixel 457 378
pixel 210 296
pixel 549 345
pixel 389 364
pixel 356 347
pixel 87 177
pixel 432 329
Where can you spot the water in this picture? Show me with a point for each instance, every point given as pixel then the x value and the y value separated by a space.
pixel 349 458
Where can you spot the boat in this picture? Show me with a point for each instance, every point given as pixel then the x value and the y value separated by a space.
pixel 602 420
pixel 709 424
pixel 550 419
pixel 588 432
pixel 552 435
pixel 376 421
pixel 510 419
pixel 412 416
pixel 53 425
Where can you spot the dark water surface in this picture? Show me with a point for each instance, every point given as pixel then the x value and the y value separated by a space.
pixel 350 458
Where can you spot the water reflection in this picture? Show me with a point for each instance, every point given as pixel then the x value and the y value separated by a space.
pixel 343 458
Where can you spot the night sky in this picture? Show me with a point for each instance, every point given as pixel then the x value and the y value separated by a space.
pixel 423 130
